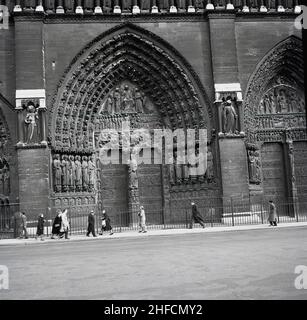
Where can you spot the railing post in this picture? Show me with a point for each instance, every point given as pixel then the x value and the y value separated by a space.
pixel 186 219
pixel 261 205
pixel 211 216
pixel 232 215
pixel 296 209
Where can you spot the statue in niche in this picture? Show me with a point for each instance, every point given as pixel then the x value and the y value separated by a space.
pixel 266 103
pixel 30 4
pixel 181 5
pixel 91 173
pixel 128 102
pixel 199 5
pixel 281 101
pixel 110 107
pixel 64 173
pixel 145 5
pixel 254 166
pixel 57 169
pixel 117 100
pixel 107 6
pixel 291 159
pixel 272 102
pixel 139 105
pixel 78 173
pixel 164 5
pixel 50 5
pixel 88 5
pixel 71 173
pixel 85 179
pixel 126 5
pixel 229 117
pixel 261 107
pixel 69 6
pixel 134 183
pixel 210 166
pixel 31 123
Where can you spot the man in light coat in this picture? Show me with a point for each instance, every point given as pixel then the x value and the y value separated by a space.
pixel 142 220
pixel 272 214
pixel 64 225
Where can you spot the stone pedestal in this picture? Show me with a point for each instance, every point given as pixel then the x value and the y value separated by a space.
pixel 33 174
pixel 234 171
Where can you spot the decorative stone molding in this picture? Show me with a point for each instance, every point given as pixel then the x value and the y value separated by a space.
pixel 86 83
pixel 263 79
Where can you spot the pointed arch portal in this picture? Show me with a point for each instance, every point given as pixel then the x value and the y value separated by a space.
pixel 128 61
pixel 126 53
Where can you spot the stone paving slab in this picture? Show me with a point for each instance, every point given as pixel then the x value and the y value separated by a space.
pixel 150 233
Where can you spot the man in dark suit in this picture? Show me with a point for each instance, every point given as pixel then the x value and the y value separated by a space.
pixel 196 216
pixel 91 224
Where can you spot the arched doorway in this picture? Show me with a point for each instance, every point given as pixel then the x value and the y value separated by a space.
pixel 130 74
pixel 275 122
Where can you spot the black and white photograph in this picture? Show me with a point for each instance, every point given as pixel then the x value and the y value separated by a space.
pixel 153 150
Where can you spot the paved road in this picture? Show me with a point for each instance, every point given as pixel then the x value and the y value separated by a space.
pixel 254 264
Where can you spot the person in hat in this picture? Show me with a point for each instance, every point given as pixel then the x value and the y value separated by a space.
pixel 105 223
pixel 24 225
pixel 56 226
pixel 272 214
pixel 142 220
pixel 196 216
pixel 91 224
pixel 64 225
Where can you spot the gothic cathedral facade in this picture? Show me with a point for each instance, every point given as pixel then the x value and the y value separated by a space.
pixel 70 69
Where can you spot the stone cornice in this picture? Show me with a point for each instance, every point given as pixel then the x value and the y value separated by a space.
pixel 144 17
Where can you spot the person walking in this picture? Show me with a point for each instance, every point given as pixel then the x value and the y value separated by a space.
pixel 142 220
pixel 196 216
pixel 91 224
pixel 272 214
pixel 56 226
pixel 24 225
pixel 106 223
pixel 40 227
pixel 64 225
pixel 16 221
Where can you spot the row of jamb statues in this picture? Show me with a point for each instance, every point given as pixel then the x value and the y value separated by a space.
pixel 73 173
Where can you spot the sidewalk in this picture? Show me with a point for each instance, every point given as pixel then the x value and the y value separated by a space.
pixel 150 233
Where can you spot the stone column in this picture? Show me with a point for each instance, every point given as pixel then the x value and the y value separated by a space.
pixel 133 194
pixel 20 124
pixel 42 122
pixel 293 197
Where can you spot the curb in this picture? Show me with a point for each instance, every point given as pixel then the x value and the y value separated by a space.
pixel 151 233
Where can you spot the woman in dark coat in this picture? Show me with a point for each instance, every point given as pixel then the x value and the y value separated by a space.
pixel 196 216
pixel 56 226
pixel 40 227
pixel 106 223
